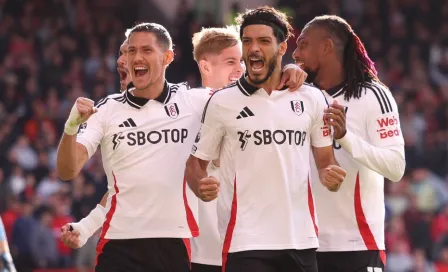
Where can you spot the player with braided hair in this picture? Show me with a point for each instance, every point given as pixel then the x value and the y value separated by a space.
pixel 367 140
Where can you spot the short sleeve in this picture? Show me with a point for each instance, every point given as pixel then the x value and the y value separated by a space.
pixel 320 132
pixel 91 132
pixel 208 141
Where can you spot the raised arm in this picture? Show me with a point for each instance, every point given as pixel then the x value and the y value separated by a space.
pixel 72 155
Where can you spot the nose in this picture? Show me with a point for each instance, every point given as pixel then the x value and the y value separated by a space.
pixel 296 54
pixel 239 69
pixel 121 61
pixel 254 47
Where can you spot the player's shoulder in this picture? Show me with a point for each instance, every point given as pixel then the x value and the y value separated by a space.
pixel 378 96
pixel 111 99
pixel 312 92
pixel 178 87
pixel 228 91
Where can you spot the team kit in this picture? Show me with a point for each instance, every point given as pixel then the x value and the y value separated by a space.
pixel 256 170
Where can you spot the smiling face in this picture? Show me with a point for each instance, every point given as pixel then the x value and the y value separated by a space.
pixel 225 67
pixel 147 59
pixel 261 52
pixel 122 66
pixel 309 53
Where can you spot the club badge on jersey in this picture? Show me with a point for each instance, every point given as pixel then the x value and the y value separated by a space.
pixel 297 107
pixel 172 110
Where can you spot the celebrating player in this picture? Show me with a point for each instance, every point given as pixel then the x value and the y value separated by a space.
pixel 368 143
pixel 263 137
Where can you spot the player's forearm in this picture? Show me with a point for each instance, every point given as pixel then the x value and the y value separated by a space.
pixel 67 157
pixel 91 223
pixel 194 172
pixel 389 162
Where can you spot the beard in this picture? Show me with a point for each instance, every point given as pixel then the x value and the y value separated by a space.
pixel 311 75
pixel 271 67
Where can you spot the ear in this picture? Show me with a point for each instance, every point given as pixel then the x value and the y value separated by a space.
pixel 169 57
pixel 204 67
pixel 283 46
pixel 328 46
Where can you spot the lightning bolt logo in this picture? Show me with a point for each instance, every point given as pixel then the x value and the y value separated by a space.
pixel 243 139
pixel 116 140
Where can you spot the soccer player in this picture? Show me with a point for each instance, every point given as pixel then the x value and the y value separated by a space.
pixel 145 134
pixel 218 54
pixel 6 262
pixel 263 137
pixel 122 66
pixel 147 128
pixel 368 143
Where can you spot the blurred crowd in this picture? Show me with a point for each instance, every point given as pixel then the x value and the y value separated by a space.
pixel 53 51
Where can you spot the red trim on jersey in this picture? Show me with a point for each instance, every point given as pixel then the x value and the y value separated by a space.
pixel 230 228
pixel 363 226
pixel 188 247
pixel 311 207
pixel 383 257
pixel 103 241
pixel 190 217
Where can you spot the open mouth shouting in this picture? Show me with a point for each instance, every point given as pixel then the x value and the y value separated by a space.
pixel 256 63
pixel 140 70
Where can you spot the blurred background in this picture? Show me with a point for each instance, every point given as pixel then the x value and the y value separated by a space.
pixel 53 51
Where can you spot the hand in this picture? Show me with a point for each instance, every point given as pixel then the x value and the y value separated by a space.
pixel 335 117
pixel 332 177
pixel 208 188
pixel 70 238
pixel 81 112
pixel 293 76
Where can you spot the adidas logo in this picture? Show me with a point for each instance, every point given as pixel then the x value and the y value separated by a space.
pixel 128 123
pixel 246 112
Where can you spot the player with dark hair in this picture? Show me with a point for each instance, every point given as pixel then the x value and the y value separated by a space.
pixel 263 138
pixel 145 134
pixel 368 142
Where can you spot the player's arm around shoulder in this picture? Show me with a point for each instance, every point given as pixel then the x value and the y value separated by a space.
pixel 84 121
pixel 330 173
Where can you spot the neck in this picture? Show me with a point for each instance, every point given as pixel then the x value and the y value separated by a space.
pixel 330 75
pixel 152 91
pixel 207 82
pixel 272 82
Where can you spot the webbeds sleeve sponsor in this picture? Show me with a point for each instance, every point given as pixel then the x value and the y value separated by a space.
pixel 385 129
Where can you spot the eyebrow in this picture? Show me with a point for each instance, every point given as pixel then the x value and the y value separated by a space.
pixel 230 58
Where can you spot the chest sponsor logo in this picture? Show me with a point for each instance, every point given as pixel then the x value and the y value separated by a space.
pixel 268 137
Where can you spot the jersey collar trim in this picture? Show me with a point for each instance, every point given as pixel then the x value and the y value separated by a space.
pixel 334 91
pixel 245 87
pixel 138 102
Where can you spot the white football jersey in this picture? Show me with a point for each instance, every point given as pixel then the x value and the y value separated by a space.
pixel 353 218
pixel 207 247
pixel 144 146
pixel 265 200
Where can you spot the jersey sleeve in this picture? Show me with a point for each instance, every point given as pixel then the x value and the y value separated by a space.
pixel 320 132
pixel 199 97
pixel 208 141
pixel 384 151
pixel 91 132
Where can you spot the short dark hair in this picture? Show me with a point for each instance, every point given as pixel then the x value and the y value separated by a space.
pixel 162 35
pixel 269 16
pixel 359 68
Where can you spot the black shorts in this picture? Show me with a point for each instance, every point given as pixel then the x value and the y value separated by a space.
pixel 195 267
pixel 289 260
pixel 351 261
pixel 143 255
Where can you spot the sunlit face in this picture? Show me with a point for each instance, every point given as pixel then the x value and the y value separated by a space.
pixel 225 67
pixel 261 52
pixel 309 51
pixel 147 59
pixel 122 66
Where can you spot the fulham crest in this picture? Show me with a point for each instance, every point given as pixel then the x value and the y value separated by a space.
pixel 297 106
pixel 172 110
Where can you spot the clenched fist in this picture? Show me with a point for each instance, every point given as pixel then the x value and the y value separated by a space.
pixel 81 112
pixel 70 238
pixel 208 188
pixel 332 177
